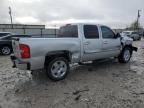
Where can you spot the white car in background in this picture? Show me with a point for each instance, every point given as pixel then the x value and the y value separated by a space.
pixel 132 34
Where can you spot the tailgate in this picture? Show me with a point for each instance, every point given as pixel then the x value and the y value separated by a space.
pixel 15 46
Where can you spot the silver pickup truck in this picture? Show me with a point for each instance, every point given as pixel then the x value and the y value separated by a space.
pixel 75 43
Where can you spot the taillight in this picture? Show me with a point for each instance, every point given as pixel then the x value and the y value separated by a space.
pixel 24 51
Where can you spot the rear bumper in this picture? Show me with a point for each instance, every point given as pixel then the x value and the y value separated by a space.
pixel 19 64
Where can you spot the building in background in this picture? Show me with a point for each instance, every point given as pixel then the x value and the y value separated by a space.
pixel 35 30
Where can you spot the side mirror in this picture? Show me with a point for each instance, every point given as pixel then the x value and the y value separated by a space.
pixel 117 35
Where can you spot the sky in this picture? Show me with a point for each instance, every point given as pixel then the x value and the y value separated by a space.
pixel 114 13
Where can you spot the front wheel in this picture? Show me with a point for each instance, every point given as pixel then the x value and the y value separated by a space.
pixel 58 68
pixel 125 55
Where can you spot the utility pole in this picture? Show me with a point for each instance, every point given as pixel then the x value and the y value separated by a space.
pixel 137 26
pixel 10 13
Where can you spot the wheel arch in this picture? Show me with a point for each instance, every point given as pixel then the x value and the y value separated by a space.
pixel 121 56
pixel 53 54
pixel 130 46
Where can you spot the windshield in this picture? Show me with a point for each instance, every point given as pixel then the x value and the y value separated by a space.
pixel 69 31
pixel 4 34
pixel 4 37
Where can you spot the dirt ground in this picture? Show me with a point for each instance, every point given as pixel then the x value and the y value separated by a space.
pixel 105 84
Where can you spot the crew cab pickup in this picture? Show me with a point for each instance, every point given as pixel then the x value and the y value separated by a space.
pixel 75 43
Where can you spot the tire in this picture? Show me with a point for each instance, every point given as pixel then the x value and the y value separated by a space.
pixel 57 69
pixel 6 50
pixel 125 55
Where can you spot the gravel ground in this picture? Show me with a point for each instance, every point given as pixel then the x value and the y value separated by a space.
pixel 105 84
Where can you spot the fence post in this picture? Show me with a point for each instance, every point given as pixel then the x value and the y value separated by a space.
pixel 41 32
pixel 24 30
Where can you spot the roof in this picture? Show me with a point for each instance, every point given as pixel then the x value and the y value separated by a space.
pixel 84 24
pixel 128 31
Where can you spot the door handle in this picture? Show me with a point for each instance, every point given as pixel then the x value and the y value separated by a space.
pixel 86 43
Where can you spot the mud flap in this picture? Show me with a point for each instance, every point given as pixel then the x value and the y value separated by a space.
pixel 134 48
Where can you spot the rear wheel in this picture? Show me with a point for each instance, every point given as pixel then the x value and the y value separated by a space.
pixel 125 55
pixel 6 50
pixel 57 69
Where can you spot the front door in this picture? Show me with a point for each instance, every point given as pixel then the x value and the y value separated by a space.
pixel 110 45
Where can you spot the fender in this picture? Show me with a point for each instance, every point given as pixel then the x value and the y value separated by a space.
pixel 132 47
pixel 65 53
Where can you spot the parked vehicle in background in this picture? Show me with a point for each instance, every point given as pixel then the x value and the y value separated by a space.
pixel 6 43
pixel 76 43
pixel 132 34
pixel 5 34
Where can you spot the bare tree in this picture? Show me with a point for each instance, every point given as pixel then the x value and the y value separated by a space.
pixel 134 26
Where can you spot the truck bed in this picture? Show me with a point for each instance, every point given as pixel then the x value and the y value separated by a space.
pixel 40 47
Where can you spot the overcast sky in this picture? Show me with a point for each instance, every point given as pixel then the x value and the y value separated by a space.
pixel 114 13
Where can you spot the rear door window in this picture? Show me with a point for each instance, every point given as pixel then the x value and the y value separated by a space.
pixel 91 32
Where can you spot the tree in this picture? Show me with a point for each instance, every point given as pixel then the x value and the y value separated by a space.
pixel 134 26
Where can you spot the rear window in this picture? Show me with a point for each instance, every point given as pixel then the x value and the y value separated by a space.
pixel 69 31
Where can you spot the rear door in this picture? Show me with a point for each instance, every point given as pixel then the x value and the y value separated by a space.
pixel 92 42
pixel 110 45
